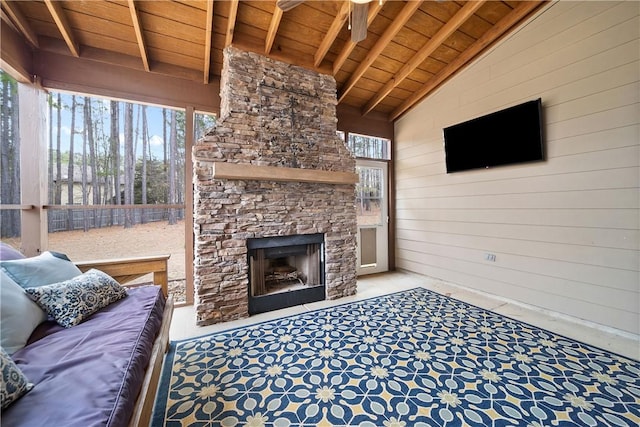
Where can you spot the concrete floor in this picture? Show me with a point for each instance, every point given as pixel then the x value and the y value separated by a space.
pixel 626 344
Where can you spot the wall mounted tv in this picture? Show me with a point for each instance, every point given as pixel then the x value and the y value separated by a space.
pixel 512 135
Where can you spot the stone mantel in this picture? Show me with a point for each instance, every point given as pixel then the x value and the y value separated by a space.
pixel 248 172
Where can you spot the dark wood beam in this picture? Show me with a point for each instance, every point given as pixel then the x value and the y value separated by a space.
pixel 436 41
pixel 350 120
pixel 15 55
pixel 523 10
pixel 65 72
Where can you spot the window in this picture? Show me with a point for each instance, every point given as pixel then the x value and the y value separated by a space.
pixel 369 147
pixel 115 181
pixel 109 153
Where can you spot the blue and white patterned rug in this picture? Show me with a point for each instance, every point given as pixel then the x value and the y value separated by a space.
pixel 413 358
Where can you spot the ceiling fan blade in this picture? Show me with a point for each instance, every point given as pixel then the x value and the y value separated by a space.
pixel 359 22
pixel 287 5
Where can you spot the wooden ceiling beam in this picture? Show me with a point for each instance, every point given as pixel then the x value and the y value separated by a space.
pixel 521 11
pixel 56 11
pixel 273 30
pixel 137 27
pixel 16 57
pixel 20 21
pixel 348 47
pixel 117 79
pixel 231 23
pixel 405 14
pixel 334 29
pixel 436 41
pixel 207 41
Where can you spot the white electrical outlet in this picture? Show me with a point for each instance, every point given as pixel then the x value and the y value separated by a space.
pixel 490 257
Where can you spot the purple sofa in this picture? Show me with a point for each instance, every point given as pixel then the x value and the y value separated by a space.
pixel 103 371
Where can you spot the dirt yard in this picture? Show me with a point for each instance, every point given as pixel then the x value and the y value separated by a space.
pixel 157 238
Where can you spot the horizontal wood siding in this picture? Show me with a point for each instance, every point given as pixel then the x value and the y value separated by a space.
pixel 566 231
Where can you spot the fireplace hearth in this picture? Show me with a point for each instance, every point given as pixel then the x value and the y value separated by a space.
pixel 285 271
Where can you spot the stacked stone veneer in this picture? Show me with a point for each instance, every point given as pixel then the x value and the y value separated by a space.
pixel 272 114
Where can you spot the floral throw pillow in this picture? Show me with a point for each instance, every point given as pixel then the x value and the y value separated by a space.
pixel 14 383
pixel 72 301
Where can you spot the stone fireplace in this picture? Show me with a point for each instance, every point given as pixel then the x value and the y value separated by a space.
pixel 274 194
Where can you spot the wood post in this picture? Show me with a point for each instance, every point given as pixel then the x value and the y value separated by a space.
pixel 33 168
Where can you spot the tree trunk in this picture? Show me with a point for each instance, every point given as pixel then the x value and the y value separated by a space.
pixel 58 196
pixel 93 159
pixel 129 166
pixel 145 136
pixel 115 156
pixel 165 145
pixel 70 165
pixel 173 143
pixel 6 149
pixel 9 151
pixel 85 180
pixel 15 134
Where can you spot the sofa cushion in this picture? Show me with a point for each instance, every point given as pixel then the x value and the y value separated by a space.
pixel 14 383
pixel 72 301
pixel 19 315
pixel 44 269
pixel 91 374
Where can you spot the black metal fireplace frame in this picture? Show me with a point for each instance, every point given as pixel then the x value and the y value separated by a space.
pixel 265 303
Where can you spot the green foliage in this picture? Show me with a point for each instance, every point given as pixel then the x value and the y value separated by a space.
pixel 156 182
pixel 7 79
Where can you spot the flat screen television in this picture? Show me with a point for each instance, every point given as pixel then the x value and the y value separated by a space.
pixel 512 135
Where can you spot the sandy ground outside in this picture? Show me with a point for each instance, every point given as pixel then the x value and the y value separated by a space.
pixel 156 238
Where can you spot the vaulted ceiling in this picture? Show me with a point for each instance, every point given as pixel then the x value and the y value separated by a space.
pixel 411 47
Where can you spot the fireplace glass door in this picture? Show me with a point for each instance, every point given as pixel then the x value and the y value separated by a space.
pixel 285 271
pixel 285 268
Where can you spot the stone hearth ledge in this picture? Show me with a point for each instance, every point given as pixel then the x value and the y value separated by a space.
pixel 244 171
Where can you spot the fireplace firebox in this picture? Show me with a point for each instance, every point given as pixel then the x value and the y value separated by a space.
pixel 285 271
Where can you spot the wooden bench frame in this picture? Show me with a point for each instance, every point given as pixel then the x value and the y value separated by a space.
pixel 125 270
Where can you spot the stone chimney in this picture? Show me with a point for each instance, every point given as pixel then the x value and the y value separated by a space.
pixel 273 166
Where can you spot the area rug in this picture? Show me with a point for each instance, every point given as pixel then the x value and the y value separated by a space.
pixel 413 358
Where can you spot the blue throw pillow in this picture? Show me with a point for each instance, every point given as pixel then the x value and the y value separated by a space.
pixel 72 301
pixel 19 315
pixel 44 269
pixel 14 383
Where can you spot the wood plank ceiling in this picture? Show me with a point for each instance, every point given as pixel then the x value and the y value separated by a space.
pixel 411 47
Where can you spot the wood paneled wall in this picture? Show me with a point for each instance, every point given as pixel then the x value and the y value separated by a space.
pixel 565 231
